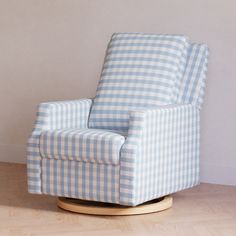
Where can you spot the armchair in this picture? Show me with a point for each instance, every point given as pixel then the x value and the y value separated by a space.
pixel 137 141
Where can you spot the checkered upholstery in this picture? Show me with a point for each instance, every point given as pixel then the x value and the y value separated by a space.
pixel 193 83
pixel 140 70
pixel 141 139
pixel 88 145
pixel 83 180
pixel 51 116
pixel 161 153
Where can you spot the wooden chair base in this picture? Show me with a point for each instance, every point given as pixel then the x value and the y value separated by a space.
pixel 99 208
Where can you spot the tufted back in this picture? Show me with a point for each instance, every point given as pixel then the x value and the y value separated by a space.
pixel 141 70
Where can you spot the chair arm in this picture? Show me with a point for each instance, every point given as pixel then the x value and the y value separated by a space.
pixel 63 114
pixel 53 115
pixel 156 139
pixel 155 121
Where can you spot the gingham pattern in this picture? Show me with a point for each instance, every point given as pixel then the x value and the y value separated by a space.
pixel 140 70
pixel 161 153
pixel 55 115
pixel 83 180
pixel 193 82
pixel 88 145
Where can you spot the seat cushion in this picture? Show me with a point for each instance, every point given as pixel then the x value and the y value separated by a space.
pixel 88 145
pixel 140 70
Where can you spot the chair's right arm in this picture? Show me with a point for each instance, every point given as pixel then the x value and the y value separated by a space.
pixel 53 115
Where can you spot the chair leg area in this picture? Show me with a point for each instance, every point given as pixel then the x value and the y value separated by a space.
pixel 99 208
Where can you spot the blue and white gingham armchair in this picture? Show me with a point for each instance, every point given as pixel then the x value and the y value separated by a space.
pixel 138 139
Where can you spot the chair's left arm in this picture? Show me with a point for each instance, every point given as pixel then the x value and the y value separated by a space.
pixel 161 153
pixel 53 115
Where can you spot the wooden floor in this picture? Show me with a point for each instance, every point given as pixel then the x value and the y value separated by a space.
pixel 204 210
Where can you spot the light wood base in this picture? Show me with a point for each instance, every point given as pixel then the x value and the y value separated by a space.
pixel 99 208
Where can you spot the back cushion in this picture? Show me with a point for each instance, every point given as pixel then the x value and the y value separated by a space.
pixel 140 70
pixel 193 82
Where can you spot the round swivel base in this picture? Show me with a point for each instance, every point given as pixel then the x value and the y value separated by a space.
pixel 99 208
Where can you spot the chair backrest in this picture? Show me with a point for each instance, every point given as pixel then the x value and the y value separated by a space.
pixel 194 80
pixel 140 70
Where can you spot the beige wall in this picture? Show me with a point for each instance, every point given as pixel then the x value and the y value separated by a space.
pixel 53 50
